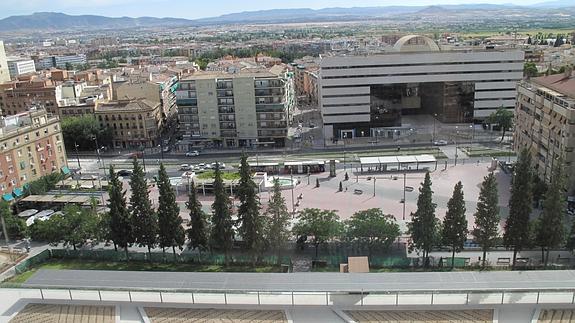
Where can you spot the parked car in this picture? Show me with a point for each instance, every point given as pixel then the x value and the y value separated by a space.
pixel 185 167
pixel 124 173
pixel 440 143
pixel 192 153
pixel 167 149
pixel 222 166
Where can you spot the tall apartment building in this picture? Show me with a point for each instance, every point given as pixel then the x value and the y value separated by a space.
pixel 134 123
pixel 17 97
pixel 4 73
pixel 18 66
pixel 545 123
pixel 48 62
pixel 363 95
pixel 31 146
pixel 246 109
pixel 306 81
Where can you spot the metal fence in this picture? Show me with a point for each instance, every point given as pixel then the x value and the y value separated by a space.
pixel 32 261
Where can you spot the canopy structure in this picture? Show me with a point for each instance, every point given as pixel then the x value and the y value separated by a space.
pixel 7 197
pixel 59 199
pixel 396 163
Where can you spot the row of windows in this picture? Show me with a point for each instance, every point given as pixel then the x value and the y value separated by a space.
pixel 419 74
pixel 417 64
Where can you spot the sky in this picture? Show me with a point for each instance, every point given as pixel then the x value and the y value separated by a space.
pixel 192 9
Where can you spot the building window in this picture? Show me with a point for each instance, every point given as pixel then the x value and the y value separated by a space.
pixel 23 178
pixel 20 153
pixel 10 170
pixel 8 158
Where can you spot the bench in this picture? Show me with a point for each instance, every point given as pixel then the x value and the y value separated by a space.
pixel 358 192
pixel 503 262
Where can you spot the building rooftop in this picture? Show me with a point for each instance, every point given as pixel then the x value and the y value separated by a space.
pixel 127 105
pixel 225 75
pixel 563 83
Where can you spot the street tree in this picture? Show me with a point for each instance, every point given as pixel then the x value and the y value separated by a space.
pixel 454 228
pixel 321 225
pixel 530 70
pixel 277 221
pixel 516 231
pixel 372 229
pixel 487 217
pixel 424 225
pixel 551 232
pixel 198 226
pixel 170 230
pixel 121 231
pixel 222 234
pixel 144 218
pixel 77 225
pixel 502 117
pixel 82 130
pixel 12 226
pixel 250 222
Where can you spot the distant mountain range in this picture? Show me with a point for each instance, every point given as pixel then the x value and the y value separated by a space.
pixel 60 21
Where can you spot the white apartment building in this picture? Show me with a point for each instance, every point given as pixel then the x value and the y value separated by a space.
pixel 18 66
pixel 245 109
pixel 363 95
pixel 4 73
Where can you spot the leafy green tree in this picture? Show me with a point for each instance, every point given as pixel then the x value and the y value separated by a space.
pixel 77 225
pixel 487 216
pixel 82 130
pixel 12 225
pixel 454 228
pixel 121 231
pixel 222 235
pixel 539 189
pixel 44 184
pixel 516 234
pixel 170 230
pixel 551 232
pixel 321 225
pixel 503 118
pixel 372 229
pixel 424 225
pixel 278 219
pixel 250 222
pixel 530 69
pixel 198 226
pixel 144 218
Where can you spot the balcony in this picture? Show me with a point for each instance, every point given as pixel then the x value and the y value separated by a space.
pixel 187 102
pixel 224 110
pixel 227 125
pixel 228 133
pixel 223 85
pixel 274 125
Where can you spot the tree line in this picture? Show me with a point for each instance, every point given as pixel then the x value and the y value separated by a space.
pixel 520 232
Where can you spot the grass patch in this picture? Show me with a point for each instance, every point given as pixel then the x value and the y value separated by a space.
pixel 21 278
pixel 225 175
pixel 486 152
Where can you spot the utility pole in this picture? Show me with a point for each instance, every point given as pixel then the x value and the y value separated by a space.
pixel 404 179
pixel 77 155
pixel 374 180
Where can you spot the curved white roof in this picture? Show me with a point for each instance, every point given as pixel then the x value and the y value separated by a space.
pixel 416 43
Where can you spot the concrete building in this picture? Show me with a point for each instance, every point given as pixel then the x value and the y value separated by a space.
pixel 18 96
pixel 4 72
pixel 134 123
pixel 31 146
pixel 545 123
pixel 246 109
pixel 306 81
pixel 363 95
pixel 19 66
pixel 48 62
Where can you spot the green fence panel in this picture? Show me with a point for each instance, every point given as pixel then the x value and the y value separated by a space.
pixel 32 261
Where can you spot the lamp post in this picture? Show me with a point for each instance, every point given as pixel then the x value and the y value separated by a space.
pixel 472 128
pixel 77 156
pixel 292 193
pixel 374 180
pixel 404 179
pixel 144 158
pixel 344 137
pixel 434 120
pixel 456 135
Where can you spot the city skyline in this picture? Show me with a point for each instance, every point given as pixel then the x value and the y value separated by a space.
pixel 189 10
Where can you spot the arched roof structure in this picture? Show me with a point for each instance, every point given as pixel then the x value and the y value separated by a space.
pixel 416 43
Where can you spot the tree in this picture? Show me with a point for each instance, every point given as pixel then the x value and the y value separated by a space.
pixel 277 222
pixel 454 229
pixel 551 232
pixel 322 225
pixel 340 189
pixel 372 229
pixel 250 222
pixel 520 206
pixel 82 130
pixel 222 234
pixel 487 216
pixel 346 176
pixel 198 227
pixel 170 230
pixel 121 231
pixel 14 226
pixel 77 225
pixel 539 189
pixel 144 218
pixel 424 225
pixel 69 66
pixel 503 118
pixel 530 70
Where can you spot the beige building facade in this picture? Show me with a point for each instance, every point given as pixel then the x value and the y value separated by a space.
pixel 545 123
pixel 4 72
pixel 31 146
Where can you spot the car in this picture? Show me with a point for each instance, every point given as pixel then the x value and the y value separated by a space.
pixel 440 143
pixel 222 165
pixel 192 153
pixel 185 167
pixel 125 173
pixel 312 125
pixel 167 149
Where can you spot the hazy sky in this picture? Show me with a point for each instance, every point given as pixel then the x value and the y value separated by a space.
pixel 200 8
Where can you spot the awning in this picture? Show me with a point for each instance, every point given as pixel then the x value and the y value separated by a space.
pixel 65 170
pixel 17 192
pixel 7 197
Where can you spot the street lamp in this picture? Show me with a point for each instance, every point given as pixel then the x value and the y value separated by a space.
pixel 77 156
pixel 456 135
pixel 472 128
pixel 434 120
pixel 404 179
pixel 344 137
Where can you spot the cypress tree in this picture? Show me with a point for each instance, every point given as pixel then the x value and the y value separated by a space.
pixel 144 218
pixel 277 231
pixel 222 234
pixel 487 216
pixel 454 229
pixel 198 227
pixel 517 226
pixel 424 225
pixel 120 220
pixel 250 222
pixel 551 232
pixel 170 230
